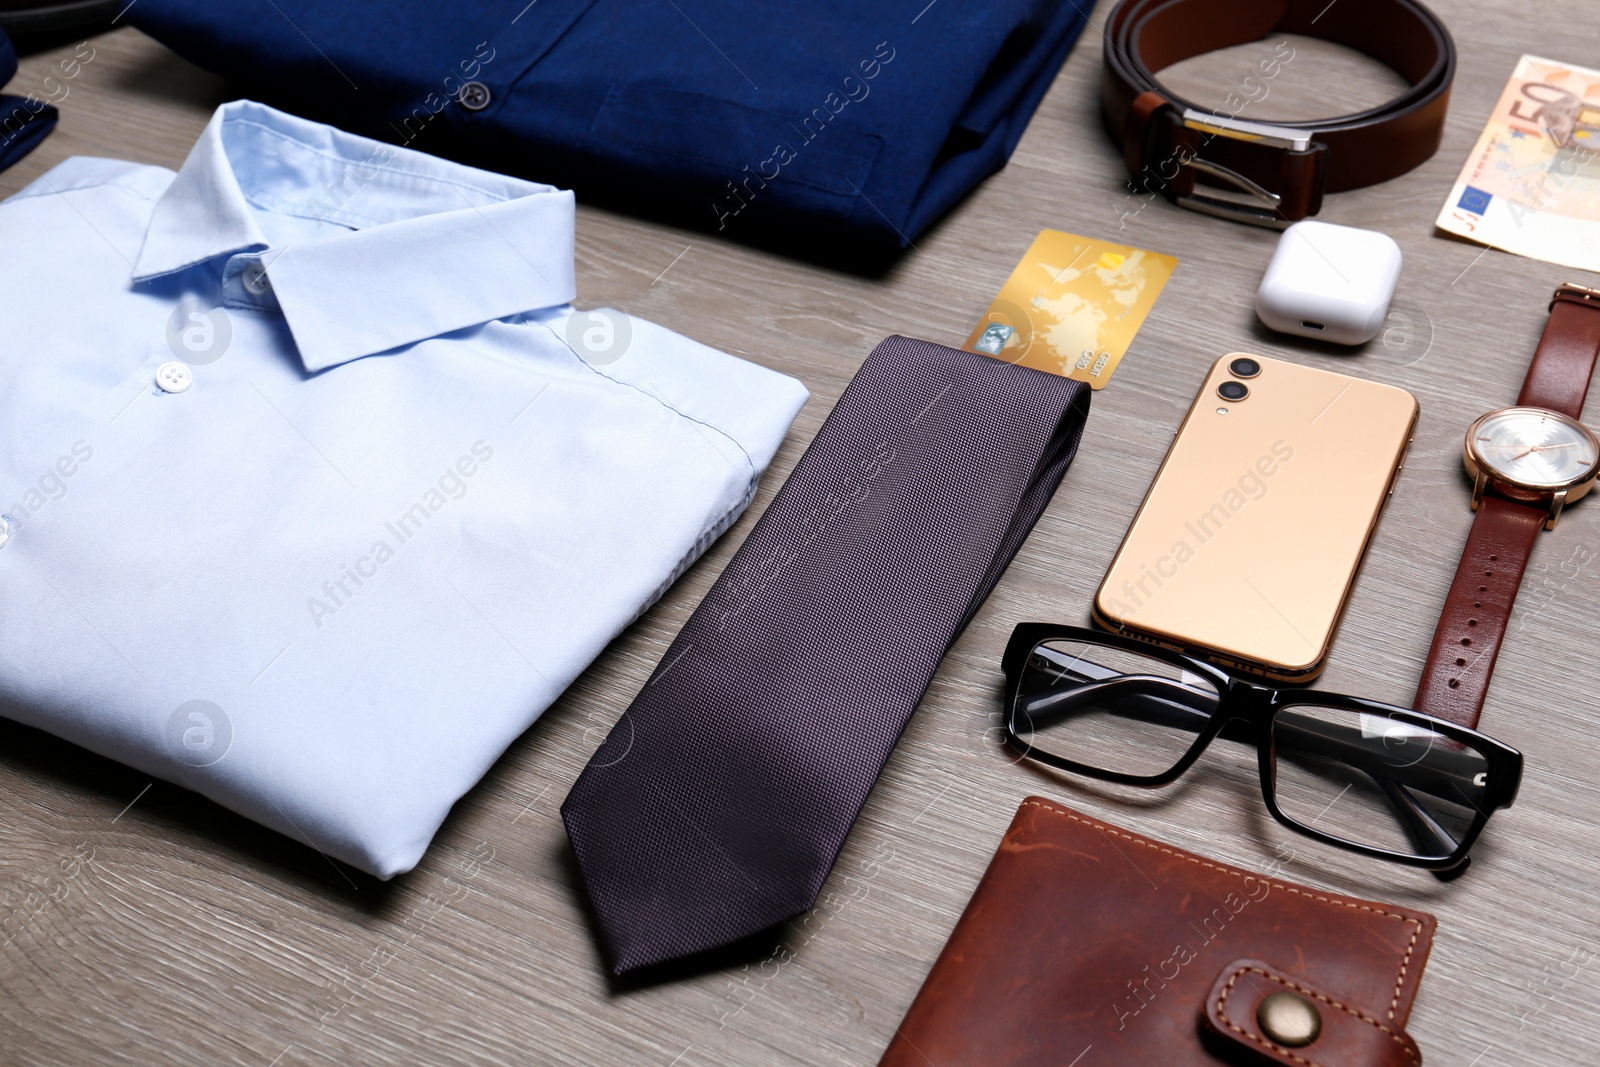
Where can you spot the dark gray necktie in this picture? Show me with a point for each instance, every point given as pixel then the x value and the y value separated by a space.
pixel 716 807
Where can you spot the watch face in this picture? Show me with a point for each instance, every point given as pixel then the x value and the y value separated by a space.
pixel 1534 448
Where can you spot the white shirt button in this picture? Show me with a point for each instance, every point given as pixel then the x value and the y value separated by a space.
pixel 174 377
pixel 255 279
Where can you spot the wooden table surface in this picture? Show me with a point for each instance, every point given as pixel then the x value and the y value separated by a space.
pixel 141 923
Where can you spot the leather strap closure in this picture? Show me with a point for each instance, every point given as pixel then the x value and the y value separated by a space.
pixel 1282 170
pixel 1350 1035
pixel 1477 610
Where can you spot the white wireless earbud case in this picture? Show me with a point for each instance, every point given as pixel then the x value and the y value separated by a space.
pixel 1330 282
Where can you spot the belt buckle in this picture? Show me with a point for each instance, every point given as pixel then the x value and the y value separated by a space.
pixel 1262 133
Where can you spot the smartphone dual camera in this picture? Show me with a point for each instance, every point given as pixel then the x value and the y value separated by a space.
pixel 1243 367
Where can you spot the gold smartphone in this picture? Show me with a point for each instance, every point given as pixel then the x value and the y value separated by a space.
pixel 1248 542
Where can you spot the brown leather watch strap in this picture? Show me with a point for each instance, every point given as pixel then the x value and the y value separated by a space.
pixel 1455 678
pixel 1563 363
pixel 1341 1032
pixel 1477 610
pixel 1167 152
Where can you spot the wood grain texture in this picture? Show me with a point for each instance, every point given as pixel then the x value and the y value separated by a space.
pixel 170 931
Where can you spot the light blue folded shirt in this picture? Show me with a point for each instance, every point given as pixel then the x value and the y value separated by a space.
pixel 316 490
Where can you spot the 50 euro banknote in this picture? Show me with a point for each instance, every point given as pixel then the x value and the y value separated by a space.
pixel 1532 183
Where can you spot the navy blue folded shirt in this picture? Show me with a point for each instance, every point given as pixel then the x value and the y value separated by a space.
pixel 861 120
pixel 24 120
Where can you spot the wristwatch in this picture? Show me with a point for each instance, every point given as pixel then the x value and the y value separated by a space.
pixel 1527 463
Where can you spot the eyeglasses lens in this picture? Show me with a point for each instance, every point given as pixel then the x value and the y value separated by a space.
pixel 1377 780
pixel 1111 709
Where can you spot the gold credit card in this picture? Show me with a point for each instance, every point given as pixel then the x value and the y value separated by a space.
pixel 1072 306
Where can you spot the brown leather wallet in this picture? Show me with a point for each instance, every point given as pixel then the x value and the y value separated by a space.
pixel 1085 945
pixel 1283 170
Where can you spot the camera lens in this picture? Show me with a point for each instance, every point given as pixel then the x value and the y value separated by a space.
pixel 1232 391
pixel 1244 368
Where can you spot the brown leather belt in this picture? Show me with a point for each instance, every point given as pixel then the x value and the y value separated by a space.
pixel 1169 144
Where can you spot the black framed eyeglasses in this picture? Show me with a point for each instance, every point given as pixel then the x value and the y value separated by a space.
pixel 1370 777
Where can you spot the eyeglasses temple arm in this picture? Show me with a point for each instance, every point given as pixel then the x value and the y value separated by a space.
pixel 1347 745
pixel 1426 834
pixel 1147 697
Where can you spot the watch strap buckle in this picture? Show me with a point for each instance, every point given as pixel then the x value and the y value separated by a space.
pixel 1573 293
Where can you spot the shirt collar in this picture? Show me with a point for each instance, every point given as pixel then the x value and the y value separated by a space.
pixel 386 246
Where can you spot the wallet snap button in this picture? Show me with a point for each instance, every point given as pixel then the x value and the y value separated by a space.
pixel 1289 1019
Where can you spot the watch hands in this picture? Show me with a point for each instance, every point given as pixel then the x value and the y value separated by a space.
pixel 1531 448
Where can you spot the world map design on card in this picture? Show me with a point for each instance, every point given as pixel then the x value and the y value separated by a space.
pixel 1072 306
